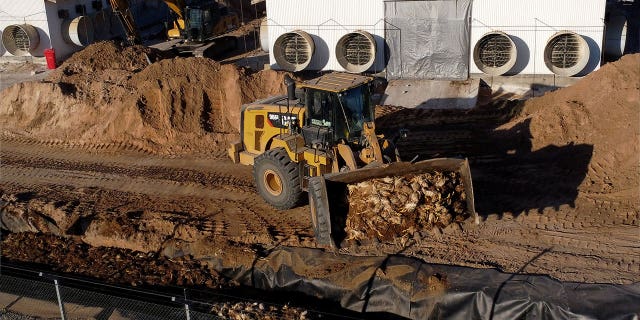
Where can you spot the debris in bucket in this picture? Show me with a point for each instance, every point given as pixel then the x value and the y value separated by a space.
pixel 396 207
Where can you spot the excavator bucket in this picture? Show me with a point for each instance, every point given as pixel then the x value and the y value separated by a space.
pixel 329 198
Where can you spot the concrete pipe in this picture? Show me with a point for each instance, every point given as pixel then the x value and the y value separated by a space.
pixel 566 53
pixel 78 31
pixel 293 50
pixel 20 39
pixel 264 35
pixel 356 51
pixel 495 53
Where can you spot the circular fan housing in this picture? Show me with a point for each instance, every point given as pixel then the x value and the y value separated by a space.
pixel 495 53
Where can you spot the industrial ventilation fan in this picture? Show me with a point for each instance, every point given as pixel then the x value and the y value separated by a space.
pixel 356 51
pixel 78 31
pixel 293 50
pixel 495 53
pixel 566 53
pixel 20 39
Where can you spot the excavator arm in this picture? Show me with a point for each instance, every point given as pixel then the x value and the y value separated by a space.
pixel 122 10
pixel 176 6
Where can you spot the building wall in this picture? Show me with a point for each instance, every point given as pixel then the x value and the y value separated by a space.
pixel 26 11
pixel 327 21
pixel 531 23
pixel 62 47
pixel 43 14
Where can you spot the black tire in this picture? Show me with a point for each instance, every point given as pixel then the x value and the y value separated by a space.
pixel 278 179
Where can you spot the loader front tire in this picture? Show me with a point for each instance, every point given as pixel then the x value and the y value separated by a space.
pixel 278 179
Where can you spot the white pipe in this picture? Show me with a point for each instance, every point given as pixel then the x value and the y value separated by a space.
pixel 78 31
pixel 264 35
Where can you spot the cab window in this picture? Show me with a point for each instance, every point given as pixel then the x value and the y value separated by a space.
pixel 319 107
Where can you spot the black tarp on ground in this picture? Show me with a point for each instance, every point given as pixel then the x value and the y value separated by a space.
pixel 411 288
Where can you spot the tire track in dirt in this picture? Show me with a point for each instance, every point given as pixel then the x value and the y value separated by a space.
pixel 288 227
pixel 235 210
pixel 80 179
pixel 564 253
pixel 207 179
pixel 85 146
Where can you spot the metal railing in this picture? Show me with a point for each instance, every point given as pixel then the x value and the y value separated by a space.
pixel 27 294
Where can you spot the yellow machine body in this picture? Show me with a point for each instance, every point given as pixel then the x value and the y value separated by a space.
pixel 276 123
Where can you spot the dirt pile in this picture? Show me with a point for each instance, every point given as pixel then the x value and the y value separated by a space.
pixel 40 216
pixel 107 55
pixel 602 110
pixel 107 95
pixel 397 207
pixel 112 265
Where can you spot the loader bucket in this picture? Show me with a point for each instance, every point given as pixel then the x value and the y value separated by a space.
pixel 329 203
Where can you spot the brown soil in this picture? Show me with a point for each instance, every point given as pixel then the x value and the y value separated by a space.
pixel 602 110
pixel 108 95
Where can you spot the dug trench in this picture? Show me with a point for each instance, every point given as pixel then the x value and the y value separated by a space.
pixel 130 156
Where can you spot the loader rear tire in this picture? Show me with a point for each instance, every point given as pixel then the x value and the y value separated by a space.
pixel 278 179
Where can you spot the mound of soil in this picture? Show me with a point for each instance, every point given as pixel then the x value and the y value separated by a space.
pixel 108 55
pixel 602 110
pixel 111 95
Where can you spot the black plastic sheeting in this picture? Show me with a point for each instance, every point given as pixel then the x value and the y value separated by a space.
pixel 405 286
pixel 428 39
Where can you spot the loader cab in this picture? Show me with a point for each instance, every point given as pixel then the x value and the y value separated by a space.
pixel 200 19
pixel 334 116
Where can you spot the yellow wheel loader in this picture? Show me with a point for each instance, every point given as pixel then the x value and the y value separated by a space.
pixel 326 127
pixel 322 129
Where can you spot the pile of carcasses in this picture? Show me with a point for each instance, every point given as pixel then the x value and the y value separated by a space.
pixel 396 207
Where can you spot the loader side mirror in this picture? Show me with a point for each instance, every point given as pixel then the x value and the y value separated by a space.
pixel 291 87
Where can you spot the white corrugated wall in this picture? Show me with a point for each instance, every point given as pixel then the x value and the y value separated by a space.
pixel 530 23
pixel 327 21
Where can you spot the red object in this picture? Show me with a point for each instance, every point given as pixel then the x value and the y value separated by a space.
pixel 50 54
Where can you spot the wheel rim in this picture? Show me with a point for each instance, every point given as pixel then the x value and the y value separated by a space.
pixel 272 182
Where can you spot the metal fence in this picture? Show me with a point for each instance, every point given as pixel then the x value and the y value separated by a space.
pixel 44 296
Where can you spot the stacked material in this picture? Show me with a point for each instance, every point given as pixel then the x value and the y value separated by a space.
pixel 113 265
pixel 396 207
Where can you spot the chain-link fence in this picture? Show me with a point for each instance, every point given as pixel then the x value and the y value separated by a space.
pixel 37 295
